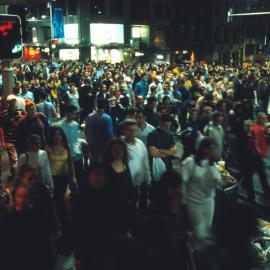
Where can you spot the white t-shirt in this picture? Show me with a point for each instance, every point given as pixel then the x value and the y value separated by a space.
pixel 200 181
pixel 40 161
pixel 138 163
pixel 20 102
pixel 143 134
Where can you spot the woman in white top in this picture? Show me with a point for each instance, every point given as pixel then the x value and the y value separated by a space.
pixel 38 159
pixel 217 93
pixel 201 175
pixel 73 96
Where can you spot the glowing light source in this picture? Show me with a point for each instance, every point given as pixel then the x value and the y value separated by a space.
pixel 160 57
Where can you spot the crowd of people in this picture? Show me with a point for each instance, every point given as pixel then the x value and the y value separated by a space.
pixel 117 164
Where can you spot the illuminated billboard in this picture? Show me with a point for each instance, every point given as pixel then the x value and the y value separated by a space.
pixel 35 53
pixel 102 34
pixel 140 34
pixel 71 33
pixel 108 55
pixel 69 54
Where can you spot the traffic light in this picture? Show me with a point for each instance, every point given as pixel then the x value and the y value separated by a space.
pixel 10 37
pixel 55 42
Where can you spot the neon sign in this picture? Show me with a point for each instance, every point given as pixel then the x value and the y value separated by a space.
pixel 4 28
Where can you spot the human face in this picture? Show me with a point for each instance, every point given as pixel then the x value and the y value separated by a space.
pixel 117 151
pixel 113 89
pixel 72 89
pixel 219 121
pixel 97 178
pixel 22 199
pixel 194 116
pixel 131 132
pixel 165 126
pixel 211 153
pixel 153 89
pixel 262 119
pixel 140 119
pixel 57 137
pixel 152 104
pixel 208 112
pixel 31 111
pixel 165 87
pixel 35 146
pixel 139 100
pixel 28 177
pixel 72 116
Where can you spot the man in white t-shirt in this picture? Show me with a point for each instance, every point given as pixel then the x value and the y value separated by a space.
pixel 138 161
pixel 20 104
pixel 138 155
pixel 144 127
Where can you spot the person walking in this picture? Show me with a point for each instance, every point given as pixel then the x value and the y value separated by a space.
pixel 98 129
pixel 201 176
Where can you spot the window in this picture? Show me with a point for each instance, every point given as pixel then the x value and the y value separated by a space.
pixel 139 10
pixel 97 7
pixel 192 32
pixel 72 7
pixel 181 32
pixel 167 35
pixel 167 11
pixel 117 7
pixel 159 10
pixel 47 33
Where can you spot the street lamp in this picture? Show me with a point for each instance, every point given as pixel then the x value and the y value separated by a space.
pixel 231 14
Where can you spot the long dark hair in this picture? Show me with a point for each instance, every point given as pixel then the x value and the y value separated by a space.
pixel 107 153
pixel 204 144
pixel 64 138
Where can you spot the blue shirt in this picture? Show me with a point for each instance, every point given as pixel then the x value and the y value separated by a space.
pixel 28 95
pixel 98 130
pixel 47 109
pixel 73 99
pixel 71 130
pixel 141 89
pixel 162 94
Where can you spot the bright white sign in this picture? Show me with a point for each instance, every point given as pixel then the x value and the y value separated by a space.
pixel 102 34
pixel 71 33
pixel 69 54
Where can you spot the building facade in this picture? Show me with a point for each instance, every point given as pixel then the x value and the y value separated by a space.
pixel 153 30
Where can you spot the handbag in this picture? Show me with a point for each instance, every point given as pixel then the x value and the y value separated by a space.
pixel 158 168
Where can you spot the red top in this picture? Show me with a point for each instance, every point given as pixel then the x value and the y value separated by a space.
pixel 259 133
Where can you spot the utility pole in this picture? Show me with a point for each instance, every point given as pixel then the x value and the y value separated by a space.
pixel 52 32
pixel 7 77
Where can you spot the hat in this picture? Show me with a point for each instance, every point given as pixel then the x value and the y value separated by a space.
pixel 11 97
pixel 128 122
pixel 159 77
pixel 128 79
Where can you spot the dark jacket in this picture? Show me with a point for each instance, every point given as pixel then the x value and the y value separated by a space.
pixel 26 241
pixel 94 221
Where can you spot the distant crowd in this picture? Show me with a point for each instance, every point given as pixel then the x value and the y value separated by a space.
pixel 118 164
